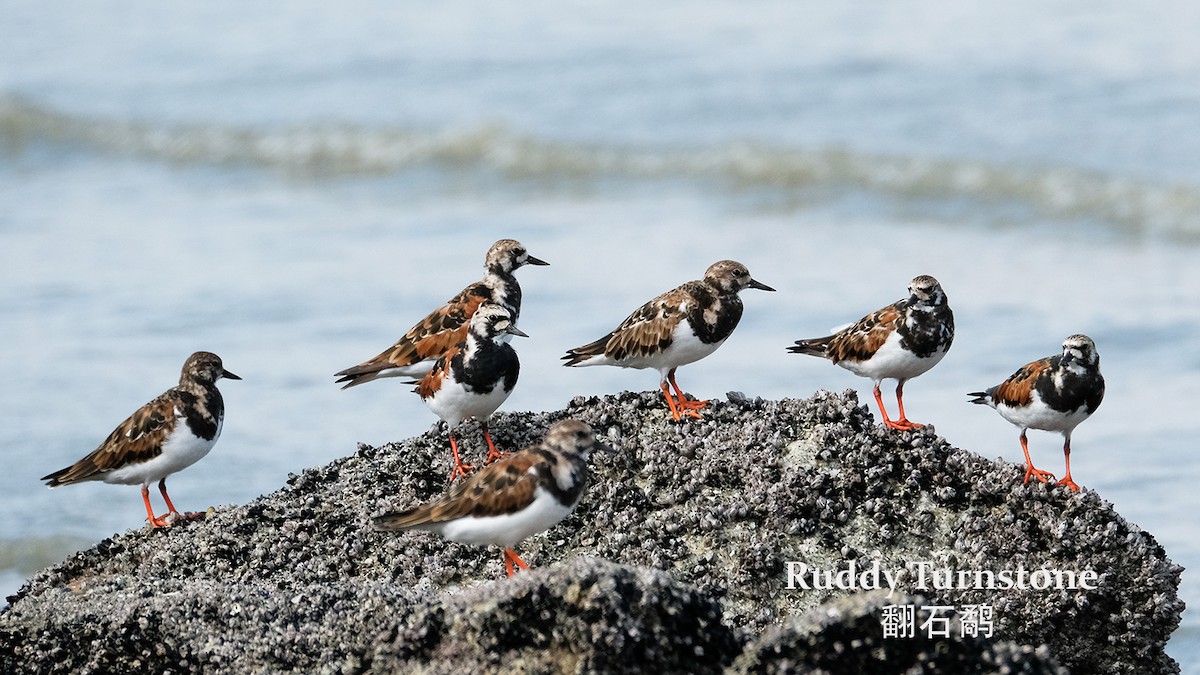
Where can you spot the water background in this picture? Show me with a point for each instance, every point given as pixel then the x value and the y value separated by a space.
pixel 292 187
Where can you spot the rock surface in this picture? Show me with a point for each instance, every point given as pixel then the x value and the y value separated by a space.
pixel 675 560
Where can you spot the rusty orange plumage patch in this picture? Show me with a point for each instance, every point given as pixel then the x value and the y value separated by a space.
pixel 431 383
pixel 1017 390
pixel 861 341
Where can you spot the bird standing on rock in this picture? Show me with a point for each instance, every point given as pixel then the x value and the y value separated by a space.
pixel 474 378
pixel 166 435
pixel 901 341
pixel 1056 393
pixel 678 327
pixel 414 354
pixel 504 503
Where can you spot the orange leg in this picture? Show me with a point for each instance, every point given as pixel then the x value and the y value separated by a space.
pixel 460 469
pixel 155 521
pixel 1067 479
pixel 903 422
pixel 670 401
pixel 1043 476
pixel 511 558
pixel 887 421
pixel 685 406
pixel 162 487
pixel 493 453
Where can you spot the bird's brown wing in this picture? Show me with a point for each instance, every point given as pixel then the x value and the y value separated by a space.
pixel 1018 389
pixel 137 439
pixel 646 331
pixel 501 488
pixel 860 341
pixel 444 328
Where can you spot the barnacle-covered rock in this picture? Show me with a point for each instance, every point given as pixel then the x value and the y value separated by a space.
pixel 699 523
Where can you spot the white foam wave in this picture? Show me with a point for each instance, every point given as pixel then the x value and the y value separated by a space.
pixel 1136 206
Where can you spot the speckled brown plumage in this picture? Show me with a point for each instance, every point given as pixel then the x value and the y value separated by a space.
pixel 646 331
pixel 678 327
pixel 519 495
pixel 1056 393
pixel 901 341
pixel 445 327
pixel 184 420
pixel 860 341
pixel 1018 389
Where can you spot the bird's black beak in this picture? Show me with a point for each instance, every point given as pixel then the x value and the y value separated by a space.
pixel 530 260
pixel 228 375
pixel 759 285
pixel 605 448
pixel 513 330
pixel 1067 358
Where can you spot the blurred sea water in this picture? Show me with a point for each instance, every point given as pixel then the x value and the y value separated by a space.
pixel 292 188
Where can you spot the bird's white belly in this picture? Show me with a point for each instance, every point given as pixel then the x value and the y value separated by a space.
pixel 685 348
pixel 892 361
pixel 508 530
pixel 1038 415
pixel 453 403
pixel 181 450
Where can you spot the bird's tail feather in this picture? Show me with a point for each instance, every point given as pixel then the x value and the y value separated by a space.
pixel 981 397
pixel 812 347
pixel 401 520
pixel 578 355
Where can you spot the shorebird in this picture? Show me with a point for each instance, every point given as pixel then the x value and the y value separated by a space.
pixel 166 435
pixel 1056 393
pixel 520 495
pixel 900 341
pixel 679 327
pixel 474 378
pixel 414 354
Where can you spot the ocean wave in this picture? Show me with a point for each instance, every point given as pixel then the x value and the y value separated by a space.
pixel 28 555
pixel 1134 206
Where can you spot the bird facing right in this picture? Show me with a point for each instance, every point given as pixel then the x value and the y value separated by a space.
pixel 901 341
pixel 473 379
pixel 168 434
pixel 681 326
pixel 504 503
pixel 1056 393
pixel 414 354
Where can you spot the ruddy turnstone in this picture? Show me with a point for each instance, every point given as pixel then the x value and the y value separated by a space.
pixel 168 434
pixel 900 341
pixel 1053 394
pixel 522 494
pixel 678 327
pixel 474 378
pixel 414 354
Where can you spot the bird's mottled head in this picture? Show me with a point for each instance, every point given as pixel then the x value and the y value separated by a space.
pixel 926 290
pixel 574 437
pixel 205 367
pixel 492 320
pixel 731 277
pixel 507 255
pixel 1080 349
